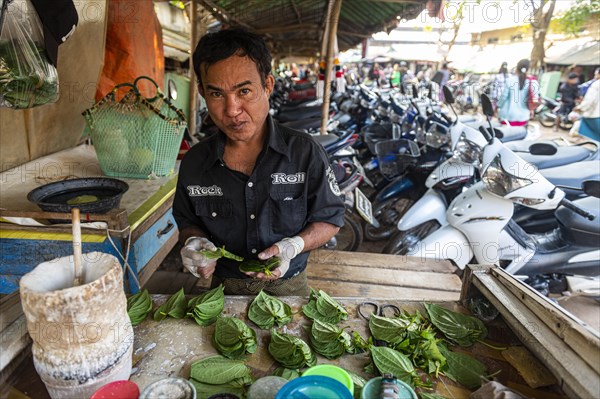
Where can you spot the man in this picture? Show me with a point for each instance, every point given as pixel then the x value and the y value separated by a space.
pixel 569 94
pixel 257 188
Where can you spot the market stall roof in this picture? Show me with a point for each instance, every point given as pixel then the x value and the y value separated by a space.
pixel 295 27
pixel 583 52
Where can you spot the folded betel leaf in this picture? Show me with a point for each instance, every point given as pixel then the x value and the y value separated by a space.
pixel 291 351
pixel 324 308
pixel 459 328
pixel 388 360
pixel 138 307
pixel 265 311
pixel 205 309
pixel 218 370
pixel 174 307
pixel 233 338
pixel 260 266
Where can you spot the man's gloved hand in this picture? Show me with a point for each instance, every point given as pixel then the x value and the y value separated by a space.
pixel 286 250
pixel 197 263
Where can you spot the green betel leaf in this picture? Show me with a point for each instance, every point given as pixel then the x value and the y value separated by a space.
pixel 265 311
pixel 392 331
pixel 218 370
pixel 322 307
pixel 388 360
pixel 463 368
pixel 233 338
pixel 138 306
pixel 260 266
pixel 459 328
pixel 207 307
pixel 290 351
pixel 286 373
pixel 208 390
pixel 175 307
pixel 359 383
pixel 425 395
pixel 229 255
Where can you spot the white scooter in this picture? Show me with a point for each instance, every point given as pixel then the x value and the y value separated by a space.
pixel 480 227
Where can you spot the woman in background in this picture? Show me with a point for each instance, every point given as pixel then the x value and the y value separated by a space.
pixel 512 104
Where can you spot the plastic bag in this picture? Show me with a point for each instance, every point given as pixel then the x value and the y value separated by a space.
pixel 27 77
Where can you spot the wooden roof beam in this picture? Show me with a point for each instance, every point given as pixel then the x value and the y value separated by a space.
pixel 222 15
pixel 286 28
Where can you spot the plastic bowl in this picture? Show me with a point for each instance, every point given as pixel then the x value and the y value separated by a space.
pixel 117 389
pixel 371 390
pixel 314 387
pixel 331 371
pixel 172 387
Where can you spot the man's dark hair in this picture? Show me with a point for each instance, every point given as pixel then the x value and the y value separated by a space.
pixel 217 46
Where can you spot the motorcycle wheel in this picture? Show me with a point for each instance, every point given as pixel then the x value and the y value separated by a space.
pixel 565 124
pixel 387 214
pixel 403 241
pixel 547 118
pixel 350 236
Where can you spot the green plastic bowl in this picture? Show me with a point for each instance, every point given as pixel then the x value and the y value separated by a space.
pixel 371 390
pixel 331 371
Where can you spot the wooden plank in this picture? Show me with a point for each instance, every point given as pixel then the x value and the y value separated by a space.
pixel 373 291
pixel 114 219
pixel 10 309
pixel 385 277
pixel 13 340
pixel 580 337
pixel 145 274
pixel 384 261
pixel 575 376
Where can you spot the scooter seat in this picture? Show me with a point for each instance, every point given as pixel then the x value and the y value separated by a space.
pixel 573 175
pixel 510 133
pixel 563 156
pixel 300 113
pixel 578 228
pixel 326 139
pixel 304 124
pixel 526 146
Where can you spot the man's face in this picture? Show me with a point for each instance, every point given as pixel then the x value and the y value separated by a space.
pixel 237 101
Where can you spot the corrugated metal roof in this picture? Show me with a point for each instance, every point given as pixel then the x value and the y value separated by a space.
pixel 295 27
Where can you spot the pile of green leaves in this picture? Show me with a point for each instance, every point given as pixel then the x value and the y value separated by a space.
pixel 286 373
pixel 220 253
pixel 174 307
pixel 266 311
pixel 138 307
pixel 290 351
pixel 260 266
pixel 329 340
pixel 459 328
pixel 233 338
pixel 322 307
pixel 205 309
pixel 216 374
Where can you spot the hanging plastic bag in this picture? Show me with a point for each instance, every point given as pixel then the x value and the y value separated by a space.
pixel 27 77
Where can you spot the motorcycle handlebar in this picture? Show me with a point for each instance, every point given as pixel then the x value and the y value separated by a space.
pixel 575 208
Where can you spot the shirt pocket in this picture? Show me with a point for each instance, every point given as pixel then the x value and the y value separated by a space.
pixel 287 212
pixel 214 209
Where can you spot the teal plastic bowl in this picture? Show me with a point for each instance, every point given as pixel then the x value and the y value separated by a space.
pixel 314 387
pixel 335 372
pixel 371 390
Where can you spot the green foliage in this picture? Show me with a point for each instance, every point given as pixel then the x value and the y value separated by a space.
pixel 260 266
pixel 221 253
pixel 233 338
pixel 459 328
pixel 576 17
pixel 205 309
pixel 329 340
pixel 388 360
pixel 216 374
pixel 463 369
pixel 286 373
pixel 265 311
pixel 290 351
pixel 138 307
pixel 322 307
pixel 174 307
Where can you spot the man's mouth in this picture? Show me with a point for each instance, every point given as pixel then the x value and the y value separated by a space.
pixel 237 125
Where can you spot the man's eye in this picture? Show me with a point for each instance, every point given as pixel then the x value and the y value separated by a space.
pixel 215 94
pixel 245 91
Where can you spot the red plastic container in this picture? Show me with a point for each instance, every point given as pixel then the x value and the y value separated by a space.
pixel 118 390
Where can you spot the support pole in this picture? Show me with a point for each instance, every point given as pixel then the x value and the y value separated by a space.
pixel 193 88
pixel 331 28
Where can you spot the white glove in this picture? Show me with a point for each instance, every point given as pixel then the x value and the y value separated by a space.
pixel 289 248
pixel 192 258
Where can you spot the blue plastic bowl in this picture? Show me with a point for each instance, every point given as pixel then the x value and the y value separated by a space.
pixel 314 387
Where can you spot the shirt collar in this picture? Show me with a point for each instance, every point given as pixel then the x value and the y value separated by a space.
pixel 275 139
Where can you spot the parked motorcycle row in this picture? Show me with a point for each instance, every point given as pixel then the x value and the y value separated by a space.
pixel 433 184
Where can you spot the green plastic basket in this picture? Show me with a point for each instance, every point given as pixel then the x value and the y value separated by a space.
pixel 136 137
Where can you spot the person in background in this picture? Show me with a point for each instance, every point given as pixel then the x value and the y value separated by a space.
pixel 589 108
pixel 569 94
pixel 512 104
pixel 395 78
pixel 499 83
pixel 257 188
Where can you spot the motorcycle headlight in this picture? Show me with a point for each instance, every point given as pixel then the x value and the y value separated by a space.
pixel 467 151
pixel 528 201
pixel 435 139
pixel 499 182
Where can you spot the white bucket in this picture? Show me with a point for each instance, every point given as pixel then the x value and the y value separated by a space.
pixel 82 336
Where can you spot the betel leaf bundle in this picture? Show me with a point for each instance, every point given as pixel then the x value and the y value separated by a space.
pixel 205 309
pixel 290 351
pixel 322 307
pixel 260 266
pixel 233 338
pixel 462 368
pixel 174 307
pixel 286 373
pixel 388 360
pixel 329 340
pixel 216 374
pixel 266 311
pixel 138 307
pixel 220 253
pixel 459 328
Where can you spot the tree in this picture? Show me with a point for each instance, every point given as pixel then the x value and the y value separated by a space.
pixel 575 18
pixel 455 17
pixel 541 16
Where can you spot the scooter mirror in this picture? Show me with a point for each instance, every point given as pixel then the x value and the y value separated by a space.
pixel 448 96
pixel 486 105
pixel 591 188
pixel 415 92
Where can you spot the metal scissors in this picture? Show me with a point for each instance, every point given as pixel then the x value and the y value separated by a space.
pixel 379 310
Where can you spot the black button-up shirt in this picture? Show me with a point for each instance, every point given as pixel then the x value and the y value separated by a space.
pixel 291 185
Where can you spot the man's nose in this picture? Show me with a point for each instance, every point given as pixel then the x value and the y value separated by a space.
pixel 232 105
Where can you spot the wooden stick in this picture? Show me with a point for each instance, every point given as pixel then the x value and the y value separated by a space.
pixel 77 256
